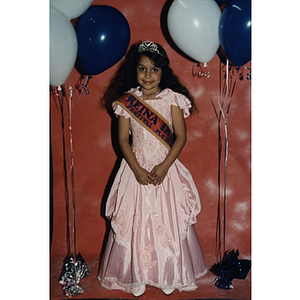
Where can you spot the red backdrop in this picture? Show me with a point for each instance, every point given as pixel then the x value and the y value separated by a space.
pixel 94 156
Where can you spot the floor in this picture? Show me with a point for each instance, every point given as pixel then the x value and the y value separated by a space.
pixel 92 289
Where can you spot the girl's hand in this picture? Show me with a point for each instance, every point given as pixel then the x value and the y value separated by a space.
pixel 143 177
pixel 159 173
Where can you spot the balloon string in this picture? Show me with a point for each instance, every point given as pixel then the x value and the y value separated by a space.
pixel 72 164
pixel 221 218
pixel 225 118
pixel 227 77
pixel 72 181
pixel 237 71
pixel 69 196
pixel 225 169
pixel 219 228
pixel 57 101
pixel 59 93
pixel 61 103
pixel 73 198
pixel 221 225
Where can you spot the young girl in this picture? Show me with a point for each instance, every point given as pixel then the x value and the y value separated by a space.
pixel 153 202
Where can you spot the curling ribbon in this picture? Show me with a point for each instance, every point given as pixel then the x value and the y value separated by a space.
pixel 72 179
pixel 219 244
pixel 70 91
pixel 201 74
pixel 227 73
pixel 225 118
pixel 58 92
pixel 237 71
pixel 85 84
pixel 73 198
pixel 221 218
pixel 228 95
pixel 76 268
pixel 248 74
pixel 225 169
pixel 84 87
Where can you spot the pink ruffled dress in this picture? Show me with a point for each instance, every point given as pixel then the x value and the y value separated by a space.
pixel 153 240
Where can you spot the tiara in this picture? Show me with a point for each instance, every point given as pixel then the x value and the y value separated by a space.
pixel 149 46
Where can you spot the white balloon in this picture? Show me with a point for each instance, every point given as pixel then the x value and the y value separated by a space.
pixel 193 26
pixel 71 8
pixel 63 47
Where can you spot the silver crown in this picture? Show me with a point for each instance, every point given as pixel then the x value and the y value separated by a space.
pixel 149 46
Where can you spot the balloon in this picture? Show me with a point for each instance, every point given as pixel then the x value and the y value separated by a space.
pixel 193 25
pixel 235 31
pixel 71 8
pixel 103 38
pixel 63 47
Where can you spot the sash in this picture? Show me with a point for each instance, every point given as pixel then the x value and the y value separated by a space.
pixel 148 117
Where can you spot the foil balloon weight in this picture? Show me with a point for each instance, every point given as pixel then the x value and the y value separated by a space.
pixel 103 37
pixel 230 268
pixel 193 26
pixel 235 31
pixel 72 273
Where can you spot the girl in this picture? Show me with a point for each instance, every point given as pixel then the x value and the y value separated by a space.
pixel 153 202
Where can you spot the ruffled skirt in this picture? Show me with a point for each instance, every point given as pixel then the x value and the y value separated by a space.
pixel 152 239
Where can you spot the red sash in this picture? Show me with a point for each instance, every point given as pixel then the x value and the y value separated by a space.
pixel 148 117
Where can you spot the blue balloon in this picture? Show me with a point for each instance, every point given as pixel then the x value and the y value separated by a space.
pixel 103 35
pixel 235 31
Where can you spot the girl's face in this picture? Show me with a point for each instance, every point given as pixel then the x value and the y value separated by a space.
pixel 148 76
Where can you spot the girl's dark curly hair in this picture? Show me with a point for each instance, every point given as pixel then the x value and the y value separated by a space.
pixel 126 77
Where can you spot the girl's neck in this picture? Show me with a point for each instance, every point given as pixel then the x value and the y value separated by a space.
pixel 149 95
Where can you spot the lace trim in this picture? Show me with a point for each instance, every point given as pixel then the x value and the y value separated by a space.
pixel 201 274
pixel 180 288
pixel 126 287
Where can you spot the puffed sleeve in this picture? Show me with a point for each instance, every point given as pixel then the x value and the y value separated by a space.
pixel 120 111
pixel 182 102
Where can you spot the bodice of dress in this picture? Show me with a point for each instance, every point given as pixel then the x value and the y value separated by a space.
pixel 148 150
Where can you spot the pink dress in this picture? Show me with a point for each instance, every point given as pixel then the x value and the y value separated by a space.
pixel 153 240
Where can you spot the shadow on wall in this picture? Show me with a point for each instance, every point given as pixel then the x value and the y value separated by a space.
pixel 118 152
pixel 165 30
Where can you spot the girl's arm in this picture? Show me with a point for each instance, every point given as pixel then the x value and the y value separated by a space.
pixel 141 175
pixel 160 171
